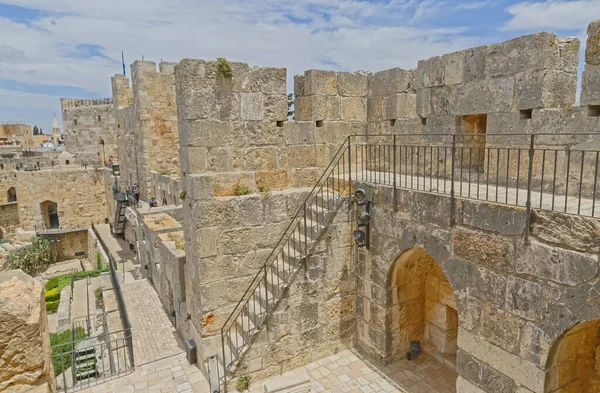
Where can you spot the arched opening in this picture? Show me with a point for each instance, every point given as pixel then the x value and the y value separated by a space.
pixel 67 162
pixel 574 361
pixel 11 195
pixel 423 308
pixel 50 213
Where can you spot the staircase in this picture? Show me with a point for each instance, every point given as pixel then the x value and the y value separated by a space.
pixel 119 222
pixel 85 364
pixel 291 253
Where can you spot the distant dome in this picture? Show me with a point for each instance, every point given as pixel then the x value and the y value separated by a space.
pixel 65 158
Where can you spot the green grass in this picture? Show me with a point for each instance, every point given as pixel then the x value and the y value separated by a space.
pixel 55 285
pixel 63 338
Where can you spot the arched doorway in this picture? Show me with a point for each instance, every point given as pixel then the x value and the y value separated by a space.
pixel 574 361
pixel 50 213
pixel 423 308
pixel 11 195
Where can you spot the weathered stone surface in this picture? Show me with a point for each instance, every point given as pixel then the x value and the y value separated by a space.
pixel 454 68
pixel 494 381
pixel 25 341
pixel 555 264
pixel 485 249
pixel 590 94
pixel 354 109
pixel 546 89
pixel 500 328
pixel 468 367
pixel 298 86
pixel 430 72
pixel 252 106
pixel 474 68
pixel 569 231
pixel 320 82
pixel 423 102
pixel 569 54
pixel 523 297
pixel 300 133
pixel 395 80
pixel 592 49
pixel 504 219
pixel 399 105
pixel 464 386
pixel 352 84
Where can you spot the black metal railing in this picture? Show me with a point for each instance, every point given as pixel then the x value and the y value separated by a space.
pixel 545 171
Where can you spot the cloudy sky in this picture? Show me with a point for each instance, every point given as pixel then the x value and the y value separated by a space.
pixel 70 48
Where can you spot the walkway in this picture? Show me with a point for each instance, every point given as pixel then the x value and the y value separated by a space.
pixel 349 372
pixel 119 250
pixel 478 189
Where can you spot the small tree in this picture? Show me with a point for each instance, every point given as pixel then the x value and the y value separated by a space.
pixel 36 131
pixel 290 98
pixel 32 258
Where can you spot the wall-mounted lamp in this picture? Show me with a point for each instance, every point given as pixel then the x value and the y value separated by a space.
pixel 361 235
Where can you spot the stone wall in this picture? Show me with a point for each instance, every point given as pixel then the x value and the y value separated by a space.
pixel 8 180
pixel 127 131
pixel 166 187
pixel 71 245
pixel 87 123
pixel 20 132
pixel 78 192
pixel 9 217
pixel 25 364
pixel 513 300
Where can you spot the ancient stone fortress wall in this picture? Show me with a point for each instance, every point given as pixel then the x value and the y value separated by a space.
pixel 147 117
pixel 86 123
pixel 78 193
pixel 8 180
pixel 167 187
pixel 9 218
pixel 245 173
pixel 18 163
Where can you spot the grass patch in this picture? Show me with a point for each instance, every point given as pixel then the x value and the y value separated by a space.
pixel 240 189
pixel 179 242
pixel 56 284
pixel 63 338
pixel 243 383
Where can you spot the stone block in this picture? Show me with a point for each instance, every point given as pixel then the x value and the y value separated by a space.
pixel 320 82
pixel 494 381
pixel 487 285
pixel 546 89
pixel 275 107
pixel 485 249
pixel 468 367
pixel 197 161
pixel 225 159
pixel 395 80
pixel 333 108
pixel 474 68
pixel 299 86
pixel 538 51
pixel 354 109
pixel 495 95
pixel 310 108
pixel 375 108
pixel 556 264
pixel 569 54
pixel 252 106
pixel 430 72
pixel 226 184
pixel 209 133
pixel 273 179
pixel 399 105
pixel 523 297
pixel 503 219
pixel 300 133
pixel 592 49
pixel 352 84
pixel 446 294
pixel 521 371
pixel 569 231
pixel 442 100
pixel 454 68
pixel 260 158
pixel 443 125
pixel 263 133
pixel 423 102
pixel 199 187
pixel 302 156
pixel 590 92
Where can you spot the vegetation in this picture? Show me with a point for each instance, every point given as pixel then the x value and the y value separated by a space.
pixel 240 189
pixel 61 348
pixel 263 187
pixel 182 195
pixel 98 293
pixel 290 98
pixel 224 67
pixel 32 258
pixel 55 285
pixel 243 383
pixel 179 242
pixel 165 172
pixel 98 261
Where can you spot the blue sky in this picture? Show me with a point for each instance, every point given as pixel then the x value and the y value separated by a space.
pixel 57 48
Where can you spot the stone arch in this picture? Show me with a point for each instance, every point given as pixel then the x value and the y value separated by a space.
pixel 422 307
pixel 49 210
pixel 11 195
pixel 67 162
pixel 574 361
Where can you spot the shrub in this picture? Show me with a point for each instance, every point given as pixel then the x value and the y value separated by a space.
pixel 224 67
pixel 182 195
pixel 240 190
pixel 98 293
pixel 98 261
pixel 243 383
pixel 263 188
pixel 52 295
pixel 64 338
pixel 32 258
pixel 52 306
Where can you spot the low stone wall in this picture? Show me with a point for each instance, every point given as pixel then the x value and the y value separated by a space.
pixel 9 217
pixel 71 245
pixel 166 187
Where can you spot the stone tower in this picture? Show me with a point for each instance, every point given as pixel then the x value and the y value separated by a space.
pixel 55 131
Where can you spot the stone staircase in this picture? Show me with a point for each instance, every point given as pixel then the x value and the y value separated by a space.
pixel 85 364
pixel 290 255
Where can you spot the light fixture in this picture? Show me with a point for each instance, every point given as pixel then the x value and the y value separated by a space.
pixel 364 217
pixel 359 237
pixel 360 194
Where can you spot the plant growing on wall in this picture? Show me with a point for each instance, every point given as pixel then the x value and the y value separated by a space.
pixel 182 195
pixel 243 383
pixel 32 258
pixel 224 67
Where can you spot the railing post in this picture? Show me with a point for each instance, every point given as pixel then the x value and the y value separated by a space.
pixel 394 174
pixel 349 167
pixel 305 239
pixel 452 200
pixel 224 361
pixel 529 177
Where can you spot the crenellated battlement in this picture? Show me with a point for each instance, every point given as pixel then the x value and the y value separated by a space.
pixel 80 102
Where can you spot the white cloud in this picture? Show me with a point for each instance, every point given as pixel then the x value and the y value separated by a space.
pixel 472 6
pixel 572 15
pixel 351 33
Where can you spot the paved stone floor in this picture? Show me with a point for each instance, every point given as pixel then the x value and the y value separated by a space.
pixel 349 372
